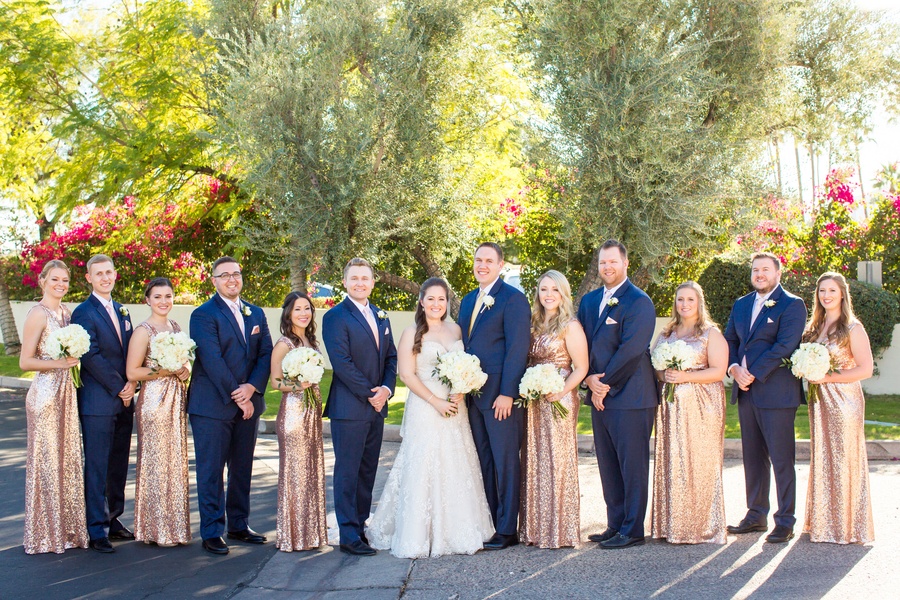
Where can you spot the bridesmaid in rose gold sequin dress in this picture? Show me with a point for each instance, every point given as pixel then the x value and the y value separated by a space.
pixel 54 473
pixel 161 509
pixel 838 501
pixel 550 514
pixel 300 523
pixel 688 501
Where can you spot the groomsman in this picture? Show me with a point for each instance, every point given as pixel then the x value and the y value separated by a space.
pixel 225 401
pixel 361 349
pixel 496 327
pixel 764 328
pixel 105 406
pixel 619 319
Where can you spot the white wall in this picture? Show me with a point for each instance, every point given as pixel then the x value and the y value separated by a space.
pixel 888 382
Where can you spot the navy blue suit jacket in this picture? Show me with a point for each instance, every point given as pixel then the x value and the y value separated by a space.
pixel 500 338
pixel 226 359
pixel 774 336
pixel 103 367
pixel 358 365
pixel 619 346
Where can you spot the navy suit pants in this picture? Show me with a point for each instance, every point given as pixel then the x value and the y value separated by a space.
pixel 357 445
pixel 498 444
pixel 107 449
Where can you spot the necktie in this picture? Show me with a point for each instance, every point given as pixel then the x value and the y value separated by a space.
pixel 370 317
pixel 757 306
pixel 115 320
pixel 479 302
pixel 239 317
pixel 607 294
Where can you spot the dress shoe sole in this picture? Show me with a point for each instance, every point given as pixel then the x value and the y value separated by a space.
pixel 780 540
pixel 121 538
pixel 246 540
pixel 634 542
pixel 348 550
pixel 743 530
pixel 109 550
pixel 600 537
pixel 501 546
pixel 220 551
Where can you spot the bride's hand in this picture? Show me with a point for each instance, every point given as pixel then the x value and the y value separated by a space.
pixel 445 407
pixel 457 398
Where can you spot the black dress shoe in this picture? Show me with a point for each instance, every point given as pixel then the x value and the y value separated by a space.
pixel 102 545
pixel 602 537
pixel 364 539
pixel 248 535
pixel 121 534
pixel 780 535
pixel 499 541
pixel 358 548
pixel 619 541
pixel 747 525
pixel 215 545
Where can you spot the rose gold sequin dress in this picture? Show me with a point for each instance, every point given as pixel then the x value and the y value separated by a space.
pixel 688 503
pixel 54 472
pixel 838 504
pixel 161 511
pixel 300 524
pixel 550 515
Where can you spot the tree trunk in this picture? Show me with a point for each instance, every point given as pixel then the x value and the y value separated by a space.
pixel 778 168
pixel 799 173
pixel 7 322
pixel 591 279
pixel 298 275
pixel 433 269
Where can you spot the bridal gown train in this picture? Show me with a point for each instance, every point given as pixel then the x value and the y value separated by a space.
pixel 433 503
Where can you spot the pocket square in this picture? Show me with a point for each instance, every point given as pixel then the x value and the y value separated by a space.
pixel 611 321
pixel 255 330
pixel 768 320
pixel 387 330
pixel 127 325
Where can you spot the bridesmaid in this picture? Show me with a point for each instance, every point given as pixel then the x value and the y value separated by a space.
pixel 550 508
pixel 161 512
pixel 688 504
pixel 838 503
pixel 301 458
pixel 54 473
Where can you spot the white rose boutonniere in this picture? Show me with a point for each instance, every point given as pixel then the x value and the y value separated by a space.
pixel 382 315
pixel 769 303
pixel 487 302
pixel 123 311
pixel 613 301
pixel 245 310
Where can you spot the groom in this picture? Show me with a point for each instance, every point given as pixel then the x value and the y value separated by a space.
pixel 496 327
pixel 360 346
pixel 764 328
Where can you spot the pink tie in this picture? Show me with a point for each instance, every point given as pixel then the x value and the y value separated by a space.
pixel 239 317
pixel 115 320
pixel 374 325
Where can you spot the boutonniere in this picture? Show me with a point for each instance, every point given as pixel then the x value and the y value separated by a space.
pixel 381 315
pixel 486 303
pixel 769 303
pixel 123 311
pixel 245 310
pixel 613 301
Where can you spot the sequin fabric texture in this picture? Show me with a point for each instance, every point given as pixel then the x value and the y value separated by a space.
pixel 300 523
pixel 550 515
pixel 838 504
pixel 54 472
pixel 688 500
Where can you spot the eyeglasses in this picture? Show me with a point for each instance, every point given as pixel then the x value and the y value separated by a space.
pixel 226 276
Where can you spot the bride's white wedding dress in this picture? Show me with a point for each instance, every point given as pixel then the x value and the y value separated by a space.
pixel 433 503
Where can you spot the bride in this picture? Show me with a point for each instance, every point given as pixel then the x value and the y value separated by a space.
pixel 433 503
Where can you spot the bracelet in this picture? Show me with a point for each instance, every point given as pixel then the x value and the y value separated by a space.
pixel 429 398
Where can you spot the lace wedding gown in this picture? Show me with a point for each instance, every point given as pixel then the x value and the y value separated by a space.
pixel 433 503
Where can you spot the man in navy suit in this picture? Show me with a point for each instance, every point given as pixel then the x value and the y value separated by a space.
pixel 361 349
pixel 619 319
pixel 225 401
pixel 496 327
pixel 104 405
pixel 764 328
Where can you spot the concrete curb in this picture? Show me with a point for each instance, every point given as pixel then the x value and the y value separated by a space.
pixel 14 383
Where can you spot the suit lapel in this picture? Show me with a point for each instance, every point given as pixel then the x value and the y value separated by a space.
pixel 763 311
pixel 495 289
pixel 619 293
pixel 230 316
pixel 361 319
pixel 104 316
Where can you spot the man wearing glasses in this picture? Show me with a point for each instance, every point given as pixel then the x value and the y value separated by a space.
pixel 225 401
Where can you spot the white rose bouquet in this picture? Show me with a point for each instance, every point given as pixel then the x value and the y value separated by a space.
pixel 461 372
pixel 303 365
pixel 811 361
pixel 170 351
pixel 539 381
pixel 675 355
pixel 71 340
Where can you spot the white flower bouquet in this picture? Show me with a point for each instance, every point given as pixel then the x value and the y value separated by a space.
pixel 675 355
pixel 811 361
pixel 539 381
pixel 303 365
pixel 71 340
pixel 170 351
pixel 461 372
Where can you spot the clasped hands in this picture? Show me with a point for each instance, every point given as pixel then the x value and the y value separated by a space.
pixel 243 397
pixel 742 377
pixel 380 397
pixel 598 390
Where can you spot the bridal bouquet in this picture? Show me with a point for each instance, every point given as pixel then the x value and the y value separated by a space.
pixel 461 372
pixel 170 351
pixel 675 355
pixel 537 382
pixel 71 340
pixel 303 365
pixel 811 361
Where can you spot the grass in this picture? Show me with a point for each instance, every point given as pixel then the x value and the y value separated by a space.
pixel 9 366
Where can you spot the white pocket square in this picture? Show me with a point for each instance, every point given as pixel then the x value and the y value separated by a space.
pixel 611 321
pixel 387 330
pixel 768 320
pixel 255 330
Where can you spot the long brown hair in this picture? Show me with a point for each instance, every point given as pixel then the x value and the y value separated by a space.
pixel 840 332
pixel 557 325
pixel 704 321
pixel 421 323
pixel 287 327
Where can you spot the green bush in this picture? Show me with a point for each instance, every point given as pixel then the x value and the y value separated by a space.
pixel 723 282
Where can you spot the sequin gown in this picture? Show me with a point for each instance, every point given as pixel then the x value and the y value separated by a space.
pixel 161 511
pixel 838 503
pixel 300 523
pixel 550 515
pixel 688 502
pixel 54 472
pixel 433 503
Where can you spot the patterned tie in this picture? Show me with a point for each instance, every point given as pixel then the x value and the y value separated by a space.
pixel 238 317
pixel 115 320
pixel 478 304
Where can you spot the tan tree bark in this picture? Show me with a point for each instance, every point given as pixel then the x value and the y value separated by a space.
pixel 11 341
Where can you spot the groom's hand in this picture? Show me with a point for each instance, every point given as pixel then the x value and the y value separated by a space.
pixel 743 377
pixel 598 390
pixel 380 398
pixel 502 407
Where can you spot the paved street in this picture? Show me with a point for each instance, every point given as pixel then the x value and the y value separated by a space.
pixel 744 568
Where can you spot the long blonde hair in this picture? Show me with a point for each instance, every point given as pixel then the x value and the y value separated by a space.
pixel 557 325
pixel 840 334
pixel 704 321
